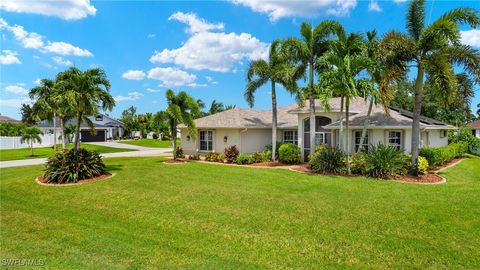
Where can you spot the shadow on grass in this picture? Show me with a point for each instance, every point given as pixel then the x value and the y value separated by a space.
pixel 114 168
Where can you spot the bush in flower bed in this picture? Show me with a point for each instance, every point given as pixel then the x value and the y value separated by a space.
pixel 264 156
pixel 438 156
pixel 231 153
pixel 384 161
pixel 178 153
pixel 465 135
pixel 289 153
pixel 244 159
pixel 327 159
pixel 422 164
pixel 194 157
pixel 358 163
pixel 72 166
pixel 215 157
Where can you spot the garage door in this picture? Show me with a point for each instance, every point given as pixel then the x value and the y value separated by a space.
pixel 86 136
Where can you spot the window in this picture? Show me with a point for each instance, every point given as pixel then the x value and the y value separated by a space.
pixel 290 136
pixel 99 117
pixel 206 140
pixel 395 139
pixel 358 137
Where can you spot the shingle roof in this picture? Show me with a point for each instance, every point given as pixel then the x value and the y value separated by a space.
pixel 7 119
pixel 475 124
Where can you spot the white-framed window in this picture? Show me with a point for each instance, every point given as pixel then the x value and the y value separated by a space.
pixel 206 140
pixel 443 133
pixel 358 137
pixel 395 139
pixel 290 136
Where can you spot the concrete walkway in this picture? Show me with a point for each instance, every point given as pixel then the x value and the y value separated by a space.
pixel 141 152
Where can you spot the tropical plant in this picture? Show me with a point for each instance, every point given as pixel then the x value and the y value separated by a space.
pixel 289 153
pixel 244 159
pixel 31 135
pixel 384 161
pixel 216 107
pixel 438 156
pixel 45 106
pixel 12 129
pixel 69 132
pixel 327 159
pixel 181 109
pixel 276 71
pixel 433 50
pixel 178 153
pixel 72 166
pixel 231 153
pixel 464 135
pixel 28 116
pixel 264 156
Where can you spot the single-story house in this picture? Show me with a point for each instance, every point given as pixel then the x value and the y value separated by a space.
pixel 6 119
pixel 250 129
pixel 105 127
pixel 475 126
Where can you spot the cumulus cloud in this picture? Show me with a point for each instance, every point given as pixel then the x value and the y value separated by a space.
pixel 400 1
pixel 195 24
pixel 129 97
pixel 374 6
pixel 14 102
pixel 36 41
pixel 9 57
pixel 60 61
pixel 134 75
pixel 280 9
pixel 471 37
pixel 171 77
pixel 151 90
pixel 197 85
pixel 65 9
pixel 16 89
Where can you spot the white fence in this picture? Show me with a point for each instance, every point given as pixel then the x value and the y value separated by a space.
pixel 14 142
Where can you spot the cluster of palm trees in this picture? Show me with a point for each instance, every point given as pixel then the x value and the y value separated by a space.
pixel 348 65
pixel 72 94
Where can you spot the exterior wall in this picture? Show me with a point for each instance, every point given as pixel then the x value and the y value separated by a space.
pixel 435 139
pixel 477 133
pixel 15 142
pixel 254 140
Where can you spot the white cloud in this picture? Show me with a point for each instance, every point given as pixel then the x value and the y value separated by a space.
pixel 374 6
pixel 171 77
pixel 195 24
pixel 65 9
pixel 151 90
pixel 60 61
pixel 210 80
pixel 129 97
pixel 151 35
pixel 280 9
pixel 471 37
pixel 197 85
pixel 400 1
pixel 9 57
pixel 134 75
pixel 16 89
pixel 14 102
pixel 36 41
pixel 37 81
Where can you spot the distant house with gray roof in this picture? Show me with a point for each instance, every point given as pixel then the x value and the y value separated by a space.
pixel 250 129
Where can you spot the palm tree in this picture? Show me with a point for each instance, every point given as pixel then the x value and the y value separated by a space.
pixel 304 53
pixel 86 92
pixel 433 50
pixel 31 135
pixel 28 116
pixel 216 107
pixel 45 107
pixel 230 107
pixel 69 132
pixel 181 109
pixel 276 71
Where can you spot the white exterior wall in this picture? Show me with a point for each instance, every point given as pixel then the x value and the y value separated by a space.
pixel 193 146
pixel 435 139
pixel 254 140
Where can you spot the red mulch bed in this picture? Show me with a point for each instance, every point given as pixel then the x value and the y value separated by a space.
pixel 42 180
pixel 431 177
pixel 269 164
pixel 171 161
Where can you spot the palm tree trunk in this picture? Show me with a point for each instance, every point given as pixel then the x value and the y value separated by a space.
pixel 341 143
pixel 174 138
pixel 417 109
pixel 54 131
pixel 312 108
pixel 62 132
pixel 365 125
pixel 274 121
pixel 77 132
pixel 347 110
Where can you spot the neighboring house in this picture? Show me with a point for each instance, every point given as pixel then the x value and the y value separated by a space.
pixel 105 127
pixel 6 119
pixel 250 129
pixel 475 126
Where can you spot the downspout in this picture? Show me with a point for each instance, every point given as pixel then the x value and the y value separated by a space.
pixel 240 146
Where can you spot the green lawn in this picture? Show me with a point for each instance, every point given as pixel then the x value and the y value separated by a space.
pixel 151 143
pixel 201 216
pixel 24 153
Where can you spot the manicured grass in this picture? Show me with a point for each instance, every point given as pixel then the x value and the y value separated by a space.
pixel 43 152
pixel 151 143
pixel 201 216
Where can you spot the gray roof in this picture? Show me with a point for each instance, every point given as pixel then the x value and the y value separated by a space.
pixel 48 123
pixel 357 105
pixel 6 119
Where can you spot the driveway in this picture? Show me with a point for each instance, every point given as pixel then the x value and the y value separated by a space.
pixel 140 152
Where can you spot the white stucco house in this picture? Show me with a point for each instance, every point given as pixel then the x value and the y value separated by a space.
pixel 250 129
pixel 475 126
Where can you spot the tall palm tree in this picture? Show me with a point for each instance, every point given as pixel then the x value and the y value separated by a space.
pixel 181 109
pixel 31 135
pixel 276 71
pixel 433 50
pixel 216 107
pixel 28 116
pixel 86 92
pixel 304 52
pixel 45 106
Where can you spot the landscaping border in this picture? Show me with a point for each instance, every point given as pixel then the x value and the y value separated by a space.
pixel 81 182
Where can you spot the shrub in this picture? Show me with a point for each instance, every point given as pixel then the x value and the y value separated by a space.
pixel 231 153
pixel 465 136
pixel 289 153
pixel 70 166
pixel 384 161
pixel 211 157
pixel 155 136
pixel 178 153
pixel 194 157
pixel 422 164
pixel 115 137
pixel 244 159
pixel 264 156
pixel 220 158
pixel 437 156
pixel 327 159
pixel 268 147
pixel 358 162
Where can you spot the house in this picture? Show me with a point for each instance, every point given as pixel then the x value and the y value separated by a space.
pixel 6 119
pixel 105 127
pixel 475 126
pixel 250 129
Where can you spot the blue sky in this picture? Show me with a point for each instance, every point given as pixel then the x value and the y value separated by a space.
pixel 146 47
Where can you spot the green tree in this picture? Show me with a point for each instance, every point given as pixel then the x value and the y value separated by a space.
pixel 433 50
pixel 181 109
pixel 45 106
pixel 276 71
pixel 69 132
pixel 216 107
pixel 28 116
pixel 130 121
pixel 31 135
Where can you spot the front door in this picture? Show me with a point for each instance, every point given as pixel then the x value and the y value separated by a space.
pixel 322 136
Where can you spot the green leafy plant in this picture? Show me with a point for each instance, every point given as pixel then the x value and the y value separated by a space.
pixel 268 147
pixel 178 153
pixel 244 159
pixel 220 158
pixel 384 161
pixel 31 135
pixel 422 164
pixel 264 156
pixel 194 157
pixel 71 166
pixel 231 153
pixel 327 159
pixel 465 136
pixel 289 153
pixel 438 156
pixel 358 163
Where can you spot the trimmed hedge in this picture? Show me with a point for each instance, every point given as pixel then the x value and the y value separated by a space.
pixel 244 159
pixel 437 156
pixel 289 153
